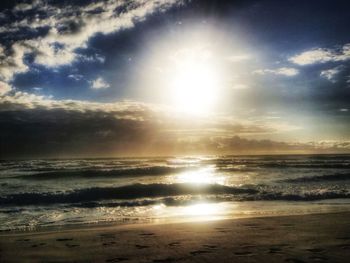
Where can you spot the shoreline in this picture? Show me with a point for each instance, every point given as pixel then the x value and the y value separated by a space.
pixel 290 209
pixel 293 238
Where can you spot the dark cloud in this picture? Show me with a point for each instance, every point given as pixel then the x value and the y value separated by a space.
pixel 58 132
pixel 125 130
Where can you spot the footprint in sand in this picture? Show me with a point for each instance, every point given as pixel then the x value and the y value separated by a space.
pixel 344 246
pixel 147 234
pixel 72 245
pixel 251 225
pixel 318 258
pixel 294 260
pixel 267 228
pixel 244 253
pixel 246 246
pixel 173 244
pixel 164 260
pixel 39 245
pixel 316 250
pixel 198 252
pixel 64 239
pixel 275 250
pixel 222 230
pixel 287 225
pixel 106 244
pixel 24 239
pixel 343 238
pixel 141 246
pixel 116 259
pixel 210 246
pixel 107 235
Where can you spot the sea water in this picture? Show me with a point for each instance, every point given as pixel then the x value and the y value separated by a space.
pixel 64 192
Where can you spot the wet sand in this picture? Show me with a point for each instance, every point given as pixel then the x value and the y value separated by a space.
pixel 302 238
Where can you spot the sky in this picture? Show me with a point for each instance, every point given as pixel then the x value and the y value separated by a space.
pixel 173 77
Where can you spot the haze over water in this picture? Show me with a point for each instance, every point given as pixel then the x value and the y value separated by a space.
pixel 41 193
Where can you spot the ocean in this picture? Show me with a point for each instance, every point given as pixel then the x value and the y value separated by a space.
pixel 37 194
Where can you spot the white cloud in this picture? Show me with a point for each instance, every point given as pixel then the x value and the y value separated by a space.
pixel 70 28
pixel 322 55
pixel 13 63
pixel 343 110
pixel 23 100
pixel 288 72
pixel 22 7
pixel 99 83
pixel 76 77
pixel 4 88
pixel 331 73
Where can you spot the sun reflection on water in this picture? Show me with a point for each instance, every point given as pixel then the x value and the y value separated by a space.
pixel 204 175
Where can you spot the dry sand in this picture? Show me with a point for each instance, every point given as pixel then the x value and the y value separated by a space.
pixel 302 238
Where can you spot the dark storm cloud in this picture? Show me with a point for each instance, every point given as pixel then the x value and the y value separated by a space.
pixel 42 128
pixel 58 132
pixel 38 127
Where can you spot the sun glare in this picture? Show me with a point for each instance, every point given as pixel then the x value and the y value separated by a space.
pixel 194 81
pixel 189 70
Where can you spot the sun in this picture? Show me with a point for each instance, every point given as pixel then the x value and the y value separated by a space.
pixel 194 81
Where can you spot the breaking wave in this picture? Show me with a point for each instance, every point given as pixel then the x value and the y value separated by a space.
pixel 331 177
pixel 123 192
pixel 134 192
pixel 90 173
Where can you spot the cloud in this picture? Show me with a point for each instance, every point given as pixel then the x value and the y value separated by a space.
pixel 284 71
pixel 330 74
pixel 76 77
pixel 68 27
pixel 23 7
pixel 4 88
pixel 26 101
pixel 64 128
pixel 66 133
pixel 11 61
pixel 99 83
pixel 322 55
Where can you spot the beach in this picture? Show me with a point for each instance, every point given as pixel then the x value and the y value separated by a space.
pixel 298 238
pixel 174 131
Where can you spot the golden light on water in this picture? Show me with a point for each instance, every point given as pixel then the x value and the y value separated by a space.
pixel 204 175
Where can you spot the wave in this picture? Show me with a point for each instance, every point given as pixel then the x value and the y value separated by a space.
pixel 124 192
pixel 90 173
pixel 252 165
pixel 147 194
pixel 305 165
pixel 319 178
pixel 302 197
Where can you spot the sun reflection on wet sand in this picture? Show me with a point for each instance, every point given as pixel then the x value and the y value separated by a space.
pixel 193 212
pixel 202 209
